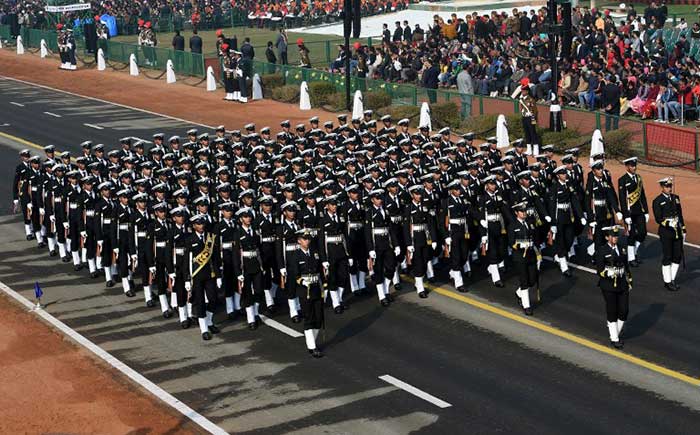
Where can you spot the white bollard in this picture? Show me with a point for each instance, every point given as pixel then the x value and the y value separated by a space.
pixel 133 67
pixel 101 66
pixel 425 117
pixel 20 45
pixel 358 107
pixel 211 80
pixel 257 87
pixel 304 98
pixel 170 75
pixel 44 49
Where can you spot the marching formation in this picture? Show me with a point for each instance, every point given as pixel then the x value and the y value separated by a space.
pixel 323 213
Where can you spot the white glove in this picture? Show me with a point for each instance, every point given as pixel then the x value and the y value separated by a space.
pixel 618 215
pixel 448 241
pixel 326 265
pixel 484 223
pixel 188 286
pixel 41 211
pixel 548 219
pixel 52 218
pixel 684 236
pixel 628 221
pixel 484 240
pixel 152 269
pixel 646 217
pixel 171 276
pixel 116 251
pixel 241 278
pixel 583 221
pixel 433 245
pixel 283 272
pixel 83 234
pixel 592 224
pixel 350 262
pixel 65 225
pixel 554 230
pixel 410 249
pixel 585 215
pixel 397 250
pixel 100 242
pixel 15 202
pixel 219 282
pixel 135 261
pixel 372 254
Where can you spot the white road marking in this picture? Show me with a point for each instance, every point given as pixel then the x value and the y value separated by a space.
pixel 4 125
pixel 117 364
pixel 55 115
pixel 574 265
pixel 94 126
pixel 415 391
pixel 280 327
pixel 17 104
pixel 692 245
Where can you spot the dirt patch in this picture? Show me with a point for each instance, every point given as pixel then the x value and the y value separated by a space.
pixel 49 385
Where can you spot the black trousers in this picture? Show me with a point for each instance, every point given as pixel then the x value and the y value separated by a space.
pixel 530 129
pixel 90 244
pixel 638 229
pixel 358 247
pixel 496 248
pixel 160 281
pixel 180 291
pixel 384 265
pixel 459 252
pixel 270 270
pixel 671 247
pixel 252 289
pixel 337 273
pixel 312 310
pixel 106 252
pixel 200 287
pixel 616 305
pixel 526 268
pixel 419 260
pixel 229 281
pixel 564 239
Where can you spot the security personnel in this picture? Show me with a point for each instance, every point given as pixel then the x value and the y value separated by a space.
pixel 141 245
pixel 178 237
pixel 35 205
pixel 200 269
pixel 634 208
pixel 394 202
pixel 382 244
pixel 247 266
pixel 286 245
pixel 334 252
pixel 305 272
pixel 226 229
pixel 528 113
pixel 75 214
pixel 354 214
pixel 265 224
pixel 419 233
pixel 564 208
pixel 56 211
pixel 615 282
pixel 492 208
pixel 601 205
pixel 20 191
pixel 121 223
pixel 159 233
pixel 526 255
pixel 454 223
pixel 104 212
pixel 87 224
pixel 672 232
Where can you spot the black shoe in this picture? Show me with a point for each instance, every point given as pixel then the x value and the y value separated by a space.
pixel 390 297
pixel 498 284
pixel 130 294
pixel 344 305
pixel 232 315
pixel 131 283
pixel 41 245
pixel 150 303
pixel 30 237
pixel 528 311
pixel 296 319
pixel 214 329
pixel 109 283
pixel 423 294
pixel 467 274
pixel 78 267
pixel 338 310
pixel 670 287
pixel 316 353
pixel 271 310
pixel 65 259
pixel 206 336
pixel 501 270
pixel 676 286
pixel 385 302
pixel 167 313
pixel 252 326
pixel 634 263
pixel 186 324
pixel 53 253
pixel 617 344
pixel 94 275
pixel 397 287
pixel 462 289
pixel 567 273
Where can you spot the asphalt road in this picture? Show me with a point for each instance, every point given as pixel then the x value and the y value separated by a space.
pixel 497 373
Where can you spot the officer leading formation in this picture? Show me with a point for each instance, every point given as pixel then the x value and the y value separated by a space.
pixel 325 214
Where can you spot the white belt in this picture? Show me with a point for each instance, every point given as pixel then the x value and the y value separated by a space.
pixel 615 271
pixel 72 206
pixel 140 234
pixel 355 225
pixel 564 206
pixel 106 221
pixel 227 245
pixel 396 219
pixel 292 247
pixel 523 243
pixel 431 212
pixel 90 213
pixel 161 244
pixel 34 188
pixel 493 217
pixel 268 239
pixel 458 221
pixel 419 227
pixel 249 254
pixel 312 231
pixel 179 251
pixel 600 202
pixel 124 227
pixel 311 279
pixel 672 222
pixel 380 231
pixel 57 199
pixel 334 239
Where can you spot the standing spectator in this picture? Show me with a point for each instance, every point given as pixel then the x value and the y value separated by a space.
pixel 610 97
pixel 281 45
pixel 407 34
pixel 270 53
pixel 179 48
pixel 304 58
pixel 398 33
pixel 195 42
pixel 386 34
pixel 466 89
pixel 430 79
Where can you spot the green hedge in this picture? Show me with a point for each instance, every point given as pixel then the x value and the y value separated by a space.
pixel 320 92
pixel 286 94
pixel 400 112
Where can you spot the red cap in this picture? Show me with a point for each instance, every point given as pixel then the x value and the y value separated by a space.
pixel 357 45
pixel 148 24
pixel 140 22
pixel 97 18
pixel 300 41
pixel 59 26
pixel 224 47
pixel 525 81
pixel 219 32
